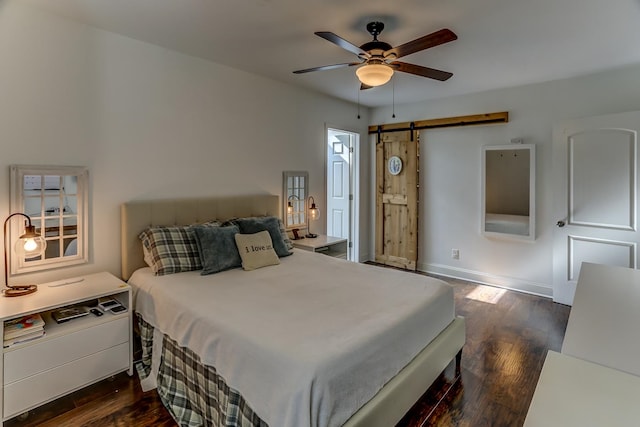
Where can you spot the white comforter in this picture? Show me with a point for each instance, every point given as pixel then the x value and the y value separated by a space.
pixel 306 342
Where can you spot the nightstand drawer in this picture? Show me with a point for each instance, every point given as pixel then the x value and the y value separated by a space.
pixel 25 394
pixel 50 353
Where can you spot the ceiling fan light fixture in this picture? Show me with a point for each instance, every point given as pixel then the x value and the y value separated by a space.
pixel 374 74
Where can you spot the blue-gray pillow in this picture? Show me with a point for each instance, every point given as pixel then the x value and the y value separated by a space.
pixel 217 248
pixel 271 224
pixel 285 237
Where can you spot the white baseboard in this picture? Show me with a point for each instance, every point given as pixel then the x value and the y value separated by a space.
pixel 529 287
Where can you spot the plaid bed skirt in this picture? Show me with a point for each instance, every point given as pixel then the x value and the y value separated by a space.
pixel 194 393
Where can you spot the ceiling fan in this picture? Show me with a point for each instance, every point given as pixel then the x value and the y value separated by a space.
pixel 378 60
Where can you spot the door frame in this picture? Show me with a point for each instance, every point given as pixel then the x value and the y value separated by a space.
pixel 353 252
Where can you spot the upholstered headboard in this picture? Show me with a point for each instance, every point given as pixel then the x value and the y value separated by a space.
pixel 136 216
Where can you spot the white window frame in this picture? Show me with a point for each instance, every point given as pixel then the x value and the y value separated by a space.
pixel 295 184
pixel 18 191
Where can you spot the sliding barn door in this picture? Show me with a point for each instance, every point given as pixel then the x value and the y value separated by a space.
pixel 397 199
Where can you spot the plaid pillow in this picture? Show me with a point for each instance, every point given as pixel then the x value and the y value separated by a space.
pixel 171 249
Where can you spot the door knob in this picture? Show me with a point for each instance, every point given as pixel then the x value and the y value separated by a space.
pixel 560 223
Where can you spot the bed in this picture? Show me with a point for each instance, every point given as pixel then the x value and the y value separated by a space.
pixel 260 340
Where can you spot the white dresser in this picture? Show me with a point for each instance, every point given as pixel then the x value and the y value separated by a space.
pixel 595 381
pixel 572 392
pixel 70 355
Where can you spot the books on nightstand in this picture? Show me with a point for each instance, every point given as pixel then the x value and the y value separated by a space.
pixel 23 329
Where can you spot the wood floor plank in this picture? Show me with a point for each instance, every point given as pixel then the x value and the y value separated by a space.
pixel 507 341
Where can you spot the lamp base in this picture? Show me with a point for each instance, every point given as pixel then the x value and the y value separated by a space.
pixel 311 236
pixel 16 291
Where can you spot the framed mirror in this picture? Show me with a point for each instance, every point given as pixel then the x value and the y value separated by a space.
pixel 295 190
pixel 56 200
pixel 508 191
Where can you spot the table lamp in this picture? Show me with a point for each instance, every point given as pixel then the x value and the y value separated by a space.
pixel 29 245
pixel 314 213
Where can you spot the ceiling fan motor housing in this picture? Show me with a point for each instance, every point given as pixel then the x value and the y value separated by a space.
pixel 375 47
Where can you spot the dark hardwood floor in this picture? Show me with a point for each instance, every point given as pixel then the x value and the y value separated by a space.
pixel 507 341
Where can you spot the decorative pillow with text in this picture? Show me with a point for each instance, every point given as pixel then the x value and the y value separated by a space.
pixel 256 250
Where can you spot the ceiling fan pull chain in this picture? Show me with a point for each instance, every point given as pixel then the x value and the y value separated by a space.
pixel 393 99
pixel 358 103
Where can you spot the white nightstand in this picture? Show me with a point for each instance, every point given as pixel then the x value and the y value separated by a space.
pixel 70 355
pixel 574 392
pixel 332 246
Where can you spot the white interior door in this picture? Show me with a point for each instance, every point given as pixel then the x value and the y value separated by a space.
pixel 340 148
pixel 596 187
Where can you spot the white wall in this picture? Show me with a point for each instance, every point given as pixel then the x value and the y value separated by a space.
pixel 149 123
pixel 450 172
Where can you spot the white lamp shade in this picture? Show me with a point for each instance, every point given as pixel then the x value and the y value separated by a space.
pixel 374 74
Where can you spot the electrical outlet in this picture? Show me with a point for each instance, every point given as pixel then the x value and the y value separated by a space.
pixel 455 253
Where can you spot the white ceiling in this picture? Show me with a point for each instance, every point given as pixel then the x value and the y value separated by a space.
pixel 500 43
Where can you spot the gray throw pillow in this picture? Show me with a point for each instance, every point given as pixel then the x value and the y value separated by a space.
pixel 217 248
pixel 271 224
pixel 285 237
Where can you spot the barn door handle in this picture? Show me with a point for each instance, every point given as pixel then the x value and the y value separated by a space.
pixel 560 224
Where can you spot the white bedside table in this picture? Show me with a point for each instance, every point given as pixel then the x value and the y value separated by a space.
pixel 574 392
pixel 332 246
pixel 602 326
pixel 70 355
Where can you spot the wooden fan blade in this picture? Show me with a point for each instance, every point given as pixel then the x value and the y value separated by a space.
pixel 364 86
pixel 434 39
pixel 342 43
pixel 326 67
pixel 419 70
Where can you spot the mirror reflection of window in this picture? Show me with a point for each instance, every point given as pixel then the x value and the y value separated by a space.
pixel 295 192
pixel 55 199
